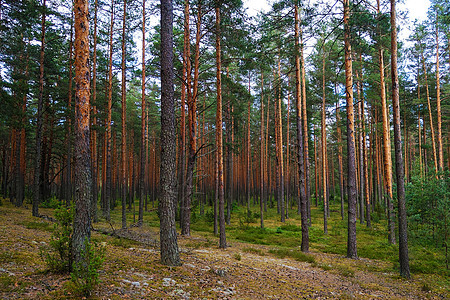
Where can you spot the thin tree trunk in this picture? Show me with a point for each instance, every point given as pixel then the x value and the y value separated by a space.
pixel 438 105
pixel 124 125
pixel 94 123
pixel 433 142
pixel 324 149
pixel 143 133
pixel 402 225
pixel 185 206
pixel 37 169
pixel 262 154
pixel 222 238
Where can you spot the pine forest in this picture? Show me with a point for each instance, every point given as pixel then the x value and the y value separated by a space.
pixel 224 149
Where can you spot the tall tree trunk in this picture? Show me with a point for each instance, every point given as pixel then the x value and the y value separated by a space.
pixel 94 123
pixel 402 225
pixel 82 220
pixel 305 129
pixel 341 171
pixel 279 143
pixel 123 167
pixel 184 220
pixel 222 238
pixel 37 171
pixel 386 147
pixel 438 104
pixel 108 185
pixel 248 150
pixel 142 194
pixel 351 240
pixel 430 115
pixel 300 140
pixel 68 177
pixel 262 154
pixel 168 235
pixel 324 149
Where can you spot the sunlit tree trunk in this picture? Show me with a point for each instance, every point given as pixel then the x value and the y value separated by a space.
pixel 300 140
pixel 262 154
pixel 82 219
pixel 438 104
pixel 430 115
pixel 123 167
pixel 351 240
pixel 94 154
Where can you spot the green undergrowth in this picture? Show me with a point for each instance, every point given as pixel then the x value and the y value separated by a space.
pixel 293 253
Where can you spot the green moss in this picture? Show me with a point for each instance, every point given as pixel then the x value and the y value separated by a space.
pixel 254 251
pixel 38 225
pixel 295 254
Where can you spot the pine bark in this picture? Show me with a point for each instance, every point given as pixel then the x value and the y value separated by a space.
pixel 37 169
pixel 399 166
pixel 83 181
pixel 300 140
pixel 142 195
pixel 168 235
pixel 351 240
pixel 123 166
pixel 324 150
pixel 219 134
pixel 94 123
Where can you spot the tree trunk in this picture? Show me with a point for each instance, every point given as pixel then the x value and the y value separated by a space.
pixel 168 235
pixel 262 154
pixel 37 169
pixel 324 149
pixel 300 140
pixel 438 105
pixel 351 240
pixel 123 167
pixel 82 220
pixel 94 123
pixel 142 194
pixel 402 225
pixel 222 238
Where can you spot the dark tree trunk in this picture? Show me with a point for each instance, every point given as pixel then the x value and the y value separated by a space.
pixel 399 168
pixel 168 234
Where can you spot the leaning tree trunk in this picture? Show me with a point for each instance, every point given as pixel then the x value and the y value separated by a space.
pixel 168 235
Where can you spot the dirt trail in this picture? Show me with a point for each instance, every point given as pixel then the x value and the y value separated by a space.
pixel 243 271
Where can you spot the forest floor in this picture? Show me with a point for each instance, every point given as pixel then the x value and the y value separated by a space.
pixel 243 271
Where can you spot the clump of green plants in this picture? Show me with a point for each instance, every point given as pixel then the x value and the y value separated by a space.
pixel 51 202
pixel 57 255
pixel 237 256
pixel 295 254
pixel 254 251
pixel 85 274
